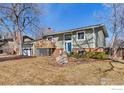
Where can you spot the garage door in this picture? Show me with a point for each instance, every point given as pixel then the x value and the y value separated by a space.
pixel 43 51
pixel 27 52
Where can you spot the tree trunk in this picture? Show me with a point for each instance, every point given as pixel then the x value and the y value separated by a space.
pixel 20 43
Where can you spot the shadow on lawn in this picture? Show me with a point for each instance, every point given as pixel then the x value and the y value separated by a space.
pixel 2 59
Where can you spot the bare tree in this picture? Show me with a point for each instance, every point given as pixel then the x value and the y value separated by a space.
pixel 115 22
pixel 5 35
pixel 18 18
pixel 41 31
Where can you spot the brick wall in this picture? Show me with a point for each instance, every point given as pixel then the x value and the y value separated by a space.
pixel 57 51
pixel 90 49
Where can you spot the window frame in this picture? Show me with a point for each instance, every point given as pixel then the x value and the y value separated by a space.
pixel 67 34
pixel 51 37
pixel 81 32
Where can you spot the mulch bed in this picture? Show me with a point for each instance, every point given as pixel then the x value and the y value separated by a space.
pixel 2 59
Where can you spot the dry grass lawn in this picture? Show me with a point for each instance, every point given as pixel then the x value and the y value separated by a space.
pixel 44 71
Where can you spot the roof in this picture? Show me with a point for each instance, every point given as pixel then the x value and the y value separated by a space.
pixel 8 39
pixel 82 28
pixel 11 39
pixel 25 36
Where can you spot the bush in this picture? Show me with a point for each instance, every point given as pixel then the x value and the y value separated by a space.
pixel 74 54
pixel 89 55
pixel 96 55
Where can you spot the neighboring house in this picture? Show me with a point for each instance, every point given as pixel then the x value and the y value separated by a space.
pixel 8 46
pixel 119 53
pixel 27 46
pixel 90 38
pixel 5 45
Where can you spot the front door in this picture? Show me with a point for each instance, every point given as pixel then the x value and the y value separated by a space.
pixel 68 47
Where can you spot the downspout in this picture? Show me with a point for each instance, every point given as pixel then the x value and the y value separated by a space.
pixel 94 38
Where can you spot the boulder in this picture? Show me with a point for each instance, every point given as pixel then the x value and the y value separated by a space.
pixel 62 58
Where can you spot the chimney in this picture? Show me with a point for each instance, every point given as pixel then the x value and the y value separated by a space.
pixel 49 30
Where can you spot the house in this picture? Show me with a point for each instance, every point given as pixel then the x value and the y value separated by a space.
pixel 80 40
pixel 84 39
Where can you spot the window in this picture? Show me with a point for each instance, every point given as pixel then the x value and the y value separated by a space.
pixel 50 38
pixel 81 35
pixel 81 53
pixel 68 37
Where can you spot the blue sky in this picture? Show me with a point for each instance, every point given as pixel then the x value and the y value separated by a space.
pixel 62 16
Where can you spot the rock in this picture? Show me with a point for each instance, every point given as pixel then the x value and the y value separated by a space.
pixel 104 81
pixel 62 59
